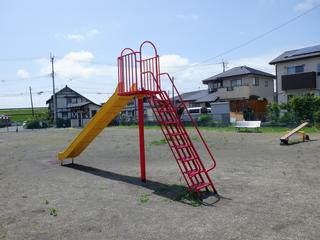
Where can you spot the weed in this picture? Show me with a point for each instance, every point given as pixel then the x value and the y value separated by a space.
pixel 195 139
pixel 53 212
pixel 159 142
pixel 144 198
pixel 183 194
pixel 46 201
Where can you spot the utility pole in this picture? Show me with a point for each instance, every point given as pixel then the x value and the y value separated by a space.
pixel 224 65
pixel 31 101
pixel 54 100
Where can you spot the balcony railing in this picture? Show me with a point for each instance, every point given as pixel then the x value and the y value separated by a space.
pixel 232 92
pixel 306 80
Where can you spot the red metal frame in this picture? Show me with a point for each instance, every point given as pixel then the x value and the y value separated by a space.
pixel 141 76
pixel 132 68
pixel 141 140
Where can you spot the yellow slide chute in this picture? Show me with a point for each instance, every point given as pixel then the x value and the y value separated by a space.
pixel 101 119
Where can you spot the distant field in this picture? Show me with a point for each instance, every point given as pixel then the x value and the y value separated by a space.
pixel 23 114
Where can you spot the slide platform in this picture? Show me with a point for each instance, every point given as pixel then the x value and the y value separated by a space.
pixel 101 119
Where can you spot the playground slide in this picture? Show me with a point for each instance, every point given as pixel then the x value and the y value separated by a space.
pixel 103 117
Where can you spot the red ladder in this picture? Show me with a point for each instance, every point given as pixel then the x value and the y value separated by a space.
pixel 178 139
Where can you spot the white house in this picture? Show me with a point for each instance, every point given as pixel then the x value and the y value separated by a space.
pixel 298 73
pixel 73 108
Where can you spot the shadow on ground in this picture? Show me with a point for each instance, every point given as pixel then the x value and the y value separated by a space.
pixel 173 192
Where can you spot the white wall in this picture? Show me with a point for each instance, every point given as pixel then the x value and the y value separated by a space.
pixel 310 65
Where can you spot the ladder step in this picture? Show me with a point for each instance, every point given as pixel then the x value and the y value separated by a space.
pixel 187 159
pixel 174 134
pixel 170 122
pixel 181 146
pixel 200 186
pixel 192 173
pixel 164 110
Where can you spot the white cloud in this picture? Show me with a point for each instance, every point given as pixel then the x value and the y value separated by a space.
pixel 84 56
pixel 76 37
pixel 79 36
pixel 92 32
pixel 75 65
pixel 306 5
pixel 21 73
pixel 173 60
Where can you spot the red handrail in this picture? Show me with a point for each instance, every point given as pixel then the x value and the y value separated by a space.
pixel 192 120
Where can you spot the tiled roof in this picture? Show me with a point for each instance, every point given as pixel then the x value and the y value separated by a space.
pixel 237 71
pixel 296 54
pixel 194 95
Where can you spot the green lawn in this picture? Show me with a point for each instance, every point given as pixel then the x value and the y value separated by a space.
pixel 23 114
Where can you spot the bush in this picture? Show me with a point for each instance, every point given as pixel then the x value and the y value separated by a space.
pixel 305 108
pixel 316 118
pixel 288 117
pixel 35 124
pixel 273 112
pixel 204 119
pixel 63 123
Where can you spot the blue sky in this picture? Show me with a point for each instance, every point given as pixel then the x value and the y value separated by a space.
pixel 87 36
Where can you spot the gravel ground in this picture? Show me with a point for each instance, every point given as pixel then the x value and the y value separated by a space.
pixel 267 191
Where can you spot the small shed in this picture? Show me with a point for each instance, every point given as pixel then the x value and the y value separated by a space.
pixel 221 112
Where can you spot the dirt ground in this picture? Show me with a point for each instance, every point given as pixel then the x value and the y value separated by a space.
pixel 267 191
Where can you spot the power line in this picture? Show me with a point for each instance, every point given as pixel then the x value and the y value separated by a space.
pixel 20 59
pixel 253 39
pixel 3 80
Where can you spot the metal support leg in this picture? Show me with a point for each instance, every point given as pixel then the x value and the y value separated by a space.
pixel 141 140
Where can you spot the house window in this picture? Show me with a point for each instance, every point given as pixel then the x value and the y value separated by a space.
pixel 194 105
pixel 295 69
pixel 213 87
pixel 93 112
pixel 318 69
pixel 255 81
pixel 266 83
pixel 64 115
pixel 236 82
pixel 71 100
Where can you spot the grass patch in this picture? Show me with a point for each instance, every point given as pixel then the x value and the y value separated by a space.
pixel 189 197
pixel 53 211
pixel 232 129
pixel 23 114
pixel 144 198
pixel 180 193
pixel 195 139
pixel 158 142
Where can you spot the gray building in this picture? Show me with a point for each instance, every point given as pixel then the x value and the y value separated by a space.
pixel 241 83
pixel 298 73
